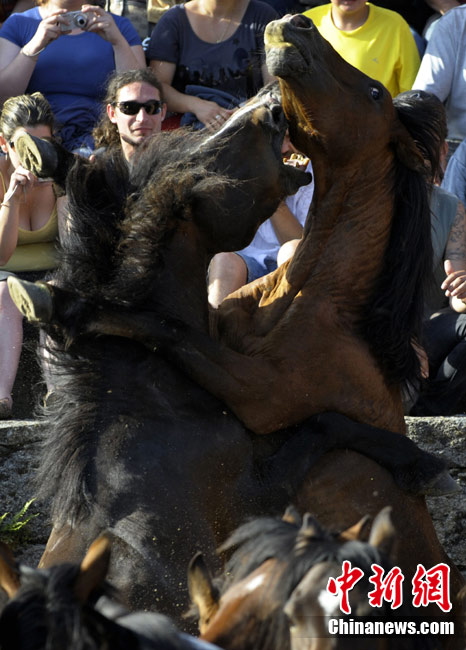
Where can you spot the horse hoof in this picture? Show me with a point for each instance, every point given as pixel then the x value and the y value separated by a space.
pixel 36 155
pixel 33 300
pixel 443 484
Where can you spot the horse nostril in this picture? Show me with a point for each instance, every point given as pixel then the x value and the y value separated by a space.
pixel 298 20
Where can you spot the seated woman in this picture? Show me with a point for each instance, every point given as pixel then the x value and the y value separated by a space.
pixel 218 45
pixel 28 226
pixel 40 50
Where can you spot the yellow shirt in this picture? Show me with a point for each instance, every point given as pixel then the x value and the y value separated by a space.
pixel 36 250
pixel 383 48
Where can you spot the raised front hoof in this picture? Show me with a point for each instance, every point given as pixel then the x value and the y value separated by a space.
pixel 33 299
pixel 442 485
pixel 37 155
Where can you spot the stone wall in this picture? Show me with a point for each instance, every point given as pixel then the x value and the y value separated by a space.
pixel 19 442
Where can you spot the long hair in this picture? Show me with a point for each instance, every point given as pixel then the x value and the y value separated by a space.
pixel 106 134
pixel 25 110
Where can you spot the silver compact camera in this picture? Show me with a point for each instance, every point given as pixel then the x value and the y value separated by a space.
pixel 75 19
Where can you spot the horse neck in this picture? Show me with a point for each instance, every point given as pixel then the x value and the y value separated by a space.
pixel 346 233
pixel 182 286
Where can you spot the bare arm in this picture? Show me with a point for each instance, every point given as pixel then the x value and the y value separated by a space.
pixel 285 224
pixel 17 64
pixel 20 181
pixel 178 102
pixel 127 57
pixel 454 284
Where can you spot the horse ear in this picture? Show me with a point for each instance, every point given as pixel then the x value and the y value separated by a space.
pixel 383 532
pixel 310 528
pixel 405 148
pixel 356 532
pixel 202 591
pixel 9 580
pixel 94 568
pixel 292 516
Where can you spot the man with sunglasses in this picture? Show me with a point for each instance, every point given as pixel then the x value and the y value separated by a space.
pixel 134 111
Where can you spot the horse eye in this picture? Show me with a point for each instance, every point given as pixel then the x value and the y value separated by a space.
pixel 375 92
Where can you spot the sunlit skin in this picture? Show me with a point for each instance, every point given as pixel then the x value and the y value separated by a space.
pixel 134 129
pixel 348 15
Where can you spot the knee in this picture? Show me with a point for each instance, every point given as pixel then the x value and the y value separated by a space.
pixel 287 250
pixel 228 266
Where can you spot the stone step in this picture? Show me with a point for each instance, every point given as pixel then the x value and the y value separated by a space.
pixel 445 436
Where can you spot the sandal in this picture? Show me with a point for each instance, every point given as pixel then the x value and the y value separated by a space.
pixel 6 408
pixel 33 299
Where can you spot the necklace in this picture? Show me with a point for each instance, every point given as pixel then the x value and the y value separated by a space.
pixel 227 26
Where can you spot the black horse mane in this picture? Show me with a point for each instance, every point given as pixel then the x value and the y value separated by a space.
pixel 46 614
pixel 394 315
pixel 123 218
pixel 266 537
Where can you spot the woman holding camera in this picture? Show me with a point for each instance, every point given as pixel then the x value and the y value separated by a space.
pixel 68 58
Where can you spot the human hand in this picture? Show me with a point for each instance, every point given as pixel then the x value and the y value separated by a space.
pixel 101 22
pixel 21 177
pixel 454 284
pixel 211 114
pixel 49 30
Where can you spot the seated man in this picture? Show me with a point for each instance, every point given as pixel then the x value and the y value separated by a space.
pixel 135 110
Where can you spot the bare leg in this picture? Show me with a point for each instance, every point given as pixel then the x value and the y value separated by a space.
pixel 11 340
pixel 227 273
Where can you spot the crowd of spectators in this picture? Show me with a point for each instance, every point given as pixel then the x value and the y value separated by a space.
pixel 172 63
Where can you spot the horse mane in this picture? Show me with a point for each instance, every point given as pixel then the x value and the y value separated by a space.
pixel 393 316
pixel 45 613
pixel 266 537
pixel 112 252
pixel 122 217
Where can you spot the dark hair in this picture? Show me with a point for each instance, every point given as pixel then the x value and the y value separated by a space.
pixel 106 133
pixel 25 110
pixel 422 110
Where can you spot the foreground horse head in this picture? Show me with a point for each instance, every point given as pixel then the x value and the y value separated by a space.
pixel 274 594
pixel 72 607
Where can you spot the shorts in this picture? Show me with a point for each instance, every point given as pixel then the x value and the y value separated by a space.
pixel 258 269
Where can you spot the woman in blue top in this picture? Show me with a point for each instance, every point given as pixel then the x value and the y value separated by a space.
pixel 218 44
pixel 41 51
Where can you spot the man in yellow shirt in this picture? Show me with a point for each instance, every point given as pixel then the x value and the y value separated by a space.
pixel 377 41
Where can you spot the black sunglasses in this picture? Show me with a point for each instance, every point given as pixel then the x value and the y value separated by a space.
pixel 152 107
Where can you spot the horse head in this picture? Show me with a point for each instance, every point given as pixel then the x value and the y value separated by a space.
pixel 232 180
pixel 72 606
pixel 275 595
pixel 337 113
